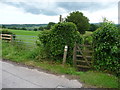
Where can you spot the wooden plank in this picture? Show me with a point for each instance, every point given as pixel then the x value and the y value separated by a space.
pixel 79 56
pixel 83 56
pixel 88 56
pixel 88 51
pixel 85 45
pixel 6 35
pixel 6 38
pixel 83 61
pixel 82 66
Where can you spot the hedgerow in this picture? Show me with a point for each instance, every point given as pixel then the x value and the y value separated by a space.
pixel 106 42
pixel 60 35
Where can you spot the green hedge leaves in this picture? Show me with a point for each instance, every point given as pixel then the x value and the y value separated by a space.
pixel 106 42
pixel 55 40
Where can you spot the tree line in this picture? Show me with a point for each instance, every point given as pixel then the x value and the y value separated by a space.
pixel 81 21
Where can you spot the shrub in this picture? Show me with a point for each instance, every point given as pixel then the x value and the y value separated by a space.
pixel 88 39
pixel 60 35
pixel 43 43
pixel 106 42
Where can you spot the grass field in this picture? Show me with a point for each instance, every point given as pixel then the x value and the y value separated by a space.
pixel 24 32
pixel 87 33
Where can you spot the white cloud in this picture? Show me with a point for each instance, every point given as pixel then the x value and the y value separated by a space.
pixel 110 13
pixel 13 15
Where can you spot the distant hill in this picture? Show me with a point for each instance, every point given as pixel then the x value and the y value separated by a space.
pixel 27 26
pixel 24 25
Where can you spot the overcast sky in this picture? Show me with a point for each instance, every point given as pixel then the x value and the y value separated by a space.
pixel 45 11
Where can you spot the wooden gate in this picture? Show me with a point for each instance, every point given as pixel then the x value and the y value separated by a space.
pixel 82 56
pixel 6 37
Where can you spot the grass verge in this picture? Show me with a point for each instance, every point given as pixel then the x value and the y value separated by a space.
pixel 23 55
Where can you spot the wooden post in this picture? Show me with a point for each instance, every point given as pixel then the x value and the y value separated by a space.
pixel 65 54
pixel 11 38
pixel 74 56
pixel 0 36
pixel 60 18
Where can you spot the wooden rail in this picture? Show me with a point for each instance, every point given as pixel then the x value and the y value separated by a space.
pixel 81 59
pixel 7 37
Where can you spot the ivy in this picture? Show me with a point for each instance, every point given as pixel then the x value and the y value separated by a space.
pixel 61 34
pixel 107 48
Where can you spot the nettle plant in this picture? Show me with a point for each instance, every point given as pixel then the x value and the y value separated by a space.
pixel 106 42
pixel 61 34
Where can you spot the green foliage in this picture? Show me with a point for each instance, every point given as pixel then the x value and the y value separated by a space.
pixel 80 20
pixel 88 40
pixel 60 35
pixel 35 29
pixel 50 24
pixel 23 28
pixel 93 27
pixel 3 26
pixel 106 42
pixel 118 26
pixel 15 51
pixel 41 28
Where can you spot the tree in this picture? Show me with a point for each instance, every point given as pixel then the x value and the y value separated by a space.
pixel 41 28
pixel 35 29
pixel 50 24
pixel 118 26
pixel 3 26
pixel 93 27
pixel 80 20
pixel 23 28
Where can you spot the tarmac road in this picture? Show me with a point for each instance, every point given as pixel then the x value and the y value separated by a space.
pixel 14 76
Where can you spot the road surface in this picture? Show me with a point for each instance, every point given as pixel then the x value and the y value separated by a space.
pixel 14 76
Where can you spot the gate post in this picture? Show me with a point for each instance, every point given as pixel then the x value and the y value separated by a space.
pixel 65 54
pixel 74 55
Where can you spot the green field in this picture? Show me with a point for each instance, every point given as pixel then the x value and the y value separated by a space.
pixel 24 32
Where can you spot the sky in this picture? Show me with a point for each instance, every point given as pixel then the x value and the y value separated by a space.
pixel 45 11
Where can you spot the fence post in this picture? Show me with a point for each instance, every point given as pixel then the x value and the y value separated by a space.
pixel 74 55
pixel 60 19
pixel 0 36
pixel 65 54
pixel 11 38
